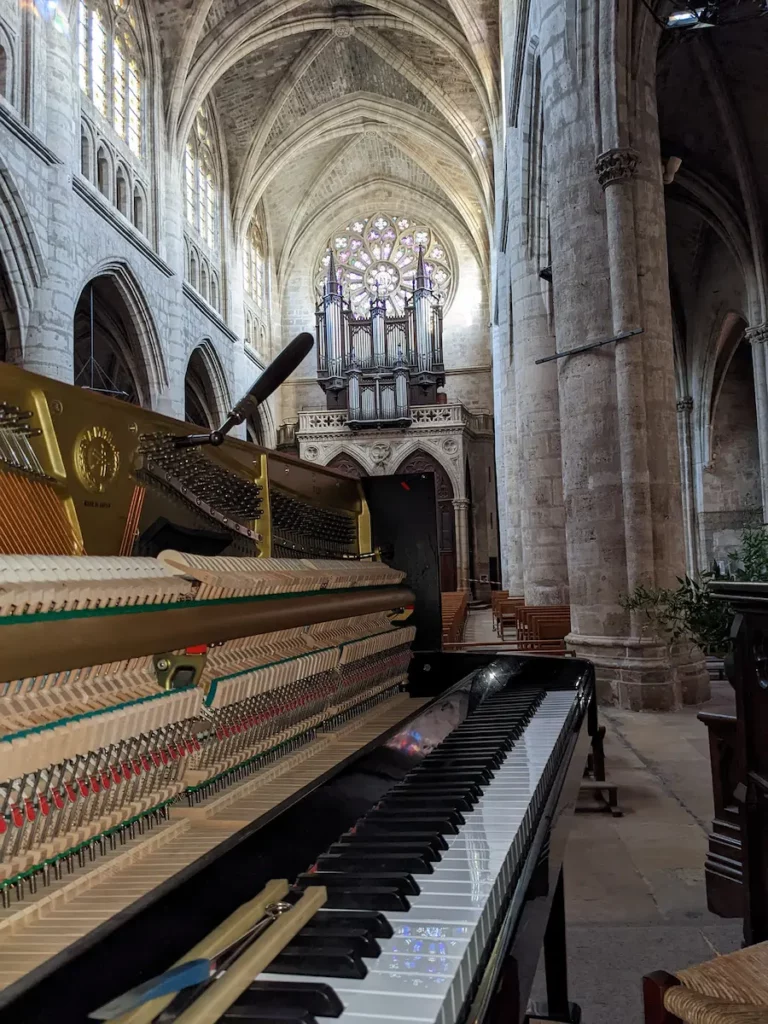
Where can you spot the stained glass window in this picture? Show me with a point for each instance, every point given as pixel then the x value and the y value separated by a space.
pixel 253 265
pixel 201 195
pixel 378 256
pixel 109 71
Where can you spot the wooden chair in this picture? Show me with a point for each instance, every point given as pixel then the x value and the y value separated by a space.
pixel 731 989
pixel 507 613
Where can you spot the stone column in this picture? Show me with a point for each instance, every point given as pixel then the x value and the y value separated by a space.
pixel 685 439
pixel 617 403
pixel 540 487
pixel 758 337
pixel 49 347
pixel 461 515
pixel 505 428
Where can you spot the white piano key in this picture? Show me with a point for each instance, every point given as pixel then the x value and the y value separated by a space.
pixel 426 969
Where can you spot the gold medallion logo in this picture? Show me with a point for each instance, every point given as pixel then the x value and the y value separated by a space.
pixel 96 458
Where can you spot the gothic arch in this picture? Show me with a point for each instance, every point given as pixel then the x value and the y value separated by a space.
pixel 421 460
pixel 22 268
pixel 206 393
pixel 141 324
pixel 348 464
pixel 107 350
pixel 431 452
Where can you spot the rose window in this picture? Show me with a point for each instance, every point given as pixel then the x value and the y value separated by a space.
pixel 378 257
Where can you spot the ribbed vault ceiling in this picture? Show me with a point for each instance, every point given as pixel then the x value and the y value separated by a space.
pixel 315 99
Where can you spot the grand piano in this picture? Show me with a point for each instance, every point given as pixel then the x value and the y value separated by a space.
pixel 184 727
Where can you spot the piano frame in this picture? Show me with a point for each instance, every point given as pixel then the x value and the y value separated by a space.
pixel 160 926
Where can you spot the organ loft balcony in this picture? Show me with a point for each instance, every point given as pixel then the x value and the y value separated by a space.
pixel 379 367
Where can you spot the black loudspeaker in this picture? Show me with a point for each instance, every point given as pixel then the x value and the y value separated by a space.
pixel 404 528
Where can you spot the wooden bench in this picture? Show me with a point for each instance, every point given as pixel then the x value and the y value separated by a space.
pixel 455 605
pixel 497 596
pixel 542 622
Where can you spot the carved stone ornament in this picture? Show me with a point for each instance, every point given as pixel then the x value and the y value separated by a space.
pixel 757 335
pixel 311 452
pixel 685 405
pixel 380 452
pixel 343 27
pixel 616 165
pixel 450 446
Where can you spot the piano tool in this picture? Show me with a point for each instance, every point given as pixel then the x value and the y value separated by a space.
pixel 209 679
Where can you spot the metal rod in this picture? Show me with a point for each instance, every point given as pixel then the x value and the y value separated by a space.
pixel 594 344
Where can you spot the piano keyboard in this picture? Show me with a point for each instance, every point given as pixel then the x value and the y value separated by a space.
pixel 418 888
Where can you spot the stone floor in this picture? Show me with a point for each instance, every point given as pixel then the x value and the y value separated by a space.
pixel 635 885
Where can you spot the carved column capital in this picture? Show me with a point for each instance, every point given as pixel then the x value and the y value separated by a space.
pixel 616 165
pixel 461 503
pixel 685 405
pixel 757 335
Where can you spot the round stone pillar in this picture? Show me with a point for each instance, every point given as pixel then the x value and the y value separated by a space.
pixel 540 486
pixel 461 514
pixel 617 402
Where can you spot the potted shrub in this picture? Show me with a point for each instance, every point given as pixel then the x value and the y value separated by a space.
pixel 690 612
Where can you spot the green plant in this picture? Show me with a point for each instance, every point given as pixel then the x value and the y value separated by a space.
pixel 690 612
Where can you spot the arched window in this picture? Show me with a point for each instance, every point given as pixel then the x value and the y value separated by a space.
pixel 5 73
pixel 102 172
pixel 122 192
pixel 86 152
pixel 214 300
pixel 139 210
pixel 253 265
pixel 201 192
pixel 378 255
pixel 193 276
pixel 110 69
pixel 204 279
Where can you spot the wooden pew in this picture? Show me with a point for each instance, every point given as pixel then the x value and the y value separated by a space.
pixel 497 596
pixel 455 605
pixel 542 622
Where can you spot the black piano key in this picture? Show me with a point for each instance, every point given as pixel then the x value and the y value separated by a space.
pixel 371 897
pixel 375 924
pixel 414 801
pixel 466 801
pixel 339 961
pixel 417 801
pixel 459 761
pixel 411 863
pixel 482 776
pixel 447 822
pixel 313 996
pixel 268 1015
pixel 401 830
pixel 471 790
pixel 402 881
pixel 426 848
pixel 324 934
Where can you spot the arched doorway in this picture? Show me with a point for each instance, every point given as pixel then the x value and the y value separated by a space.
pixel 347 464
pixel 200 405
pixel 731 482
pixel 107 350
pixel 420 462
